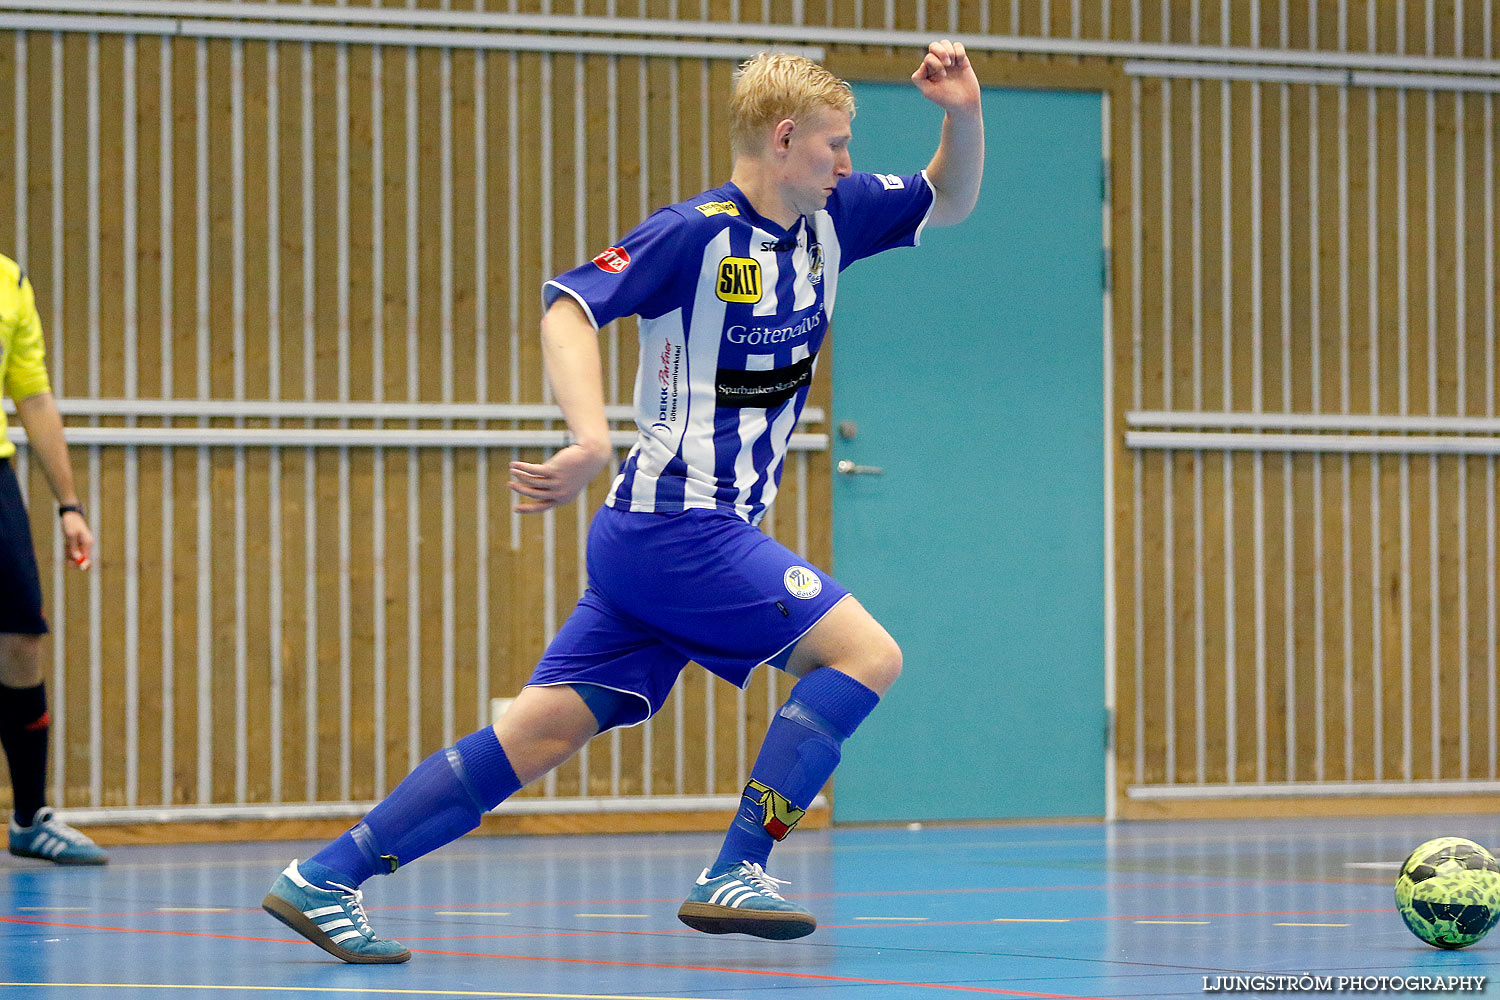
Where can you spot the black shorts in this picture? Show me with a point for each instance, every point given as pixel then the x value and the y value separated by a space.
pixel 20 584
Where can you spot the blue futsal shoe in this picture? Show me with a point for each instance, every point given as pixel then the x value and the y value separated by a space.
pixel 332 919
pixel 50 839
pixel 744 900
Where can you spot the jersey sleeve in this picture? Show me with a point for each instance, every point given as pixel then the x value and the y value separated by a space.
pixel 637 276
pixel 26 365
pixel 875 212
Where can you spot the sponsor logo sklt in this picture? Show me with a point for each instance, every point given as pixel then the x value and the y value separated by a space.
pixel 739 280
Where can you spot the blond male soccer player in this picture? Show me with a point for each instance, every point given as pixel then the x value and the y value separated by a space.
pixel 734 289
pixel 35 830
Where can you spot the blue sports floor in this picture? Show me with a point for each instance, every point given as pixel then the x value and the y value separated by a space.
pixel 1132 910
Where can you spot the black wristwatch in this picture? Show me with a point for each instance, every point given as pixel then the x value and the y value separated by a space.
pixel 64 508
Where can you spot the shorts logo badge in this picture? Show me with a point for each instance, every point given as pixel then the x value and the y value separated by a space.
pixel 614 260
pixel 739 280
pixel 802 582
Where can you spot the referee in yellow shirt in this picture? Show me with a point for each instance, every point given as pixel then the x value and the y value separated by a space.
pixel 35 830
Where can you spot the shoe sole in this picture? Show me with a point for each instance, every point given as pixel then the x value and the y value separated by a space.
pixel 711 918
pixel 298 921
pixel 21 853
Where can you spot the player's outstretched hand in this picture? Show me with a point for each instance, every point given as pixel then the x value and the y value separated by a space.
pixel 946 78
pixel 556 481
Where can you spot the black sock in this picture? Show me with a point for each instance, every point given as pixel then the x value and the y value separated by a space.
pixel 24 724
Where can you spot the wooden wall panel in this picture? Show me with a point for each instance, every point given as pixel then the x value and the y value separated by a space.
pixel 1356 673
pixel 1273 610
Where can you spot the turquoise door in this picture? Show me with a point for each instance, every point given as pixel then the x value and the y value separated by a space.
pixel 970 370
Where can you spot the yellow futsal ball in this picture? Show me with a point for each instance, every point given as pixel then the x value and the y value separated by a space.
pixel 1448 892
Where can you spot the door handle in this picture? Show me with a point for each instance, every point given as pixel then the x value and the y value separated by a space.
pixel 848 468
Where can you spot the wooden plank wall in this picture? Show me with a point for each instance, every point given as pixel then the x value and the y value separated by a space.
pixel 1309 617
pixel 332 529
pixel 534 190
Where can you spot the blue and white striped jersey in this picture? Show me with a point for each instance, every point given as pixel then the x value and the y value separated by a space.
pixel 733 309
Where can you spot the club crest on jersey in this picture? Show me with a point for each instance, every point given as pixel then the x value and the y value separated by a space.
pixel 739 280
pixel 614 260
pixel 718 208
pixel 802 583
pixel 815 263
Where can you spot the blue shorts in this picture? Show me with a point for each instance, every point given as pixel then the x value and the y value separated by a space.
pixel 700 585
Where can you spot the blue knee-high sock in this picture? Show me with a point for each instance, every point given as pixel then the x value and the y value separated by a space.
pixel 800 752
pixel 437 803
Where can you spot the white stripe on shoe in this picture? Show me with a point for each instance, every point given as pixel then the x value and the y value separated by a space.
pixel 736 900
pixel 330 925
pixel 323 911
pixel 718 897
pixel 734 895
pixel 341 938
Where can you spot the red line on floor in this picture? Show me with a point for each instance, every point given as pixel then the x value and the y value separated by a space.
pixel 896 923
pixel 1254 913
pixel 762 972
pixel 578 961
pixel 1080 920
pixel 813 895
pixel 142 930
pixel 908 892
pixel 677 899
pixel 536 934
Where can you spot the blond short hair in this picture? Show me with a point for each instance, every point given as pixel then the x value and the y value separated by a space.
pixel 773 86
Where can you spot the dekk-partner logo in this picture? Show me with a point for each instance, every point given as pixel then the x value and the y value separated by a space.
pixel 739 280
pixel 667 376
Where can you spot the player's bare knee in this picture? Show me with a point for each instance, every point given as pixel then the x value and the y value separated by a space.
pixel 885 665
pixel 564 747
pixel 876 665
pixel 20 660
pixel 534 756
